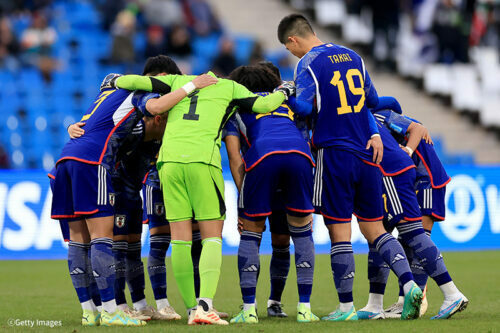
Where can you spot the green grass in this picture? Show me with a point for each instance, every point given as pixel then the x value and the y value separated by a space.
pixel 42 290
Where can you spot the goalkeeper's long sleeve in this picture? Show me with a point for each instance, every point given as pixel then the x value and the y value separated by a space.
pixel 265 104
pixel 146 83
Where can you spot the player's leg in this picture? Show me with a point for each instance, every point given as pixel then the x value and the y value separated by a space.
pixel 78 257
pixel 179 213
pixel 120 247
pixel 254 205
pixel 414 236
pixel 333 196
pixel 205 188
pixel 159 241
pixel 195 254
pixel 297 182
pixel 78 247
pixel 249 268
pixel 280 261
pixel 135 267
pixel 369 210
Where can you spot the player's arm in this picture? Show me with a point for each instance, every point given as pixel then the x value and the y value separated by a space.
pixel 305 87
pixel 231 136
pixel 375 141
pixel 162 84
pixel 235 161
pixel 371 95
pixel 415 133
pixel 247 100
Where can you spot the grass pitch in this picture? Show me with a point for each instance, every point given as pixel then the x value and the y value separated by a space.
pixel 42 290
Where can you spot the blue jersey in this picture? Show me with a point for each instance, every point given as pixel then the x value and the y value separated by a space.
pixel 429 167
pixel 335 79
pixel 109 119
pixel 267 134
pixel 135 159
pixel 395 161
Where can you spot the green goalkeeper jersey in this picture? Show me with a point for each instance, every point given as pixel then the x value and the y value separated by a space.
pixel 193 131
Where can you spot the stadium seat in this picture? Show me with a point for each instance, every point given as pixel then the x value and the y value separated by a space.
pixel 465 92
pixel 357 30
pixel 490 115
pixel 438 79
pixel 329 12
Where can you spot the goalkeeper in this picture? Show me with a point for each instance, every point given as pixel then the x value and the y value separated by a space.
pixel 189 166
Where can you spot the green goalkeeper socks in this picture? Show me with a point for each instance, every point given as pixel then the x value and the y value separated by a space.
pixel 182 265
pixel 210 263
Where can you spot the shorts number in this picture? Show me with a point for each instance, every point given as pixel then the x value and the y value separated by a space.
pixel 99 101
pixel 191 115
pixel 357 91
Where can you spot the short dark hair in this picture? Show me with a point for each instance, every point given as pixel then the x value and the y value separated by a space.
pixel 160 64
pixel 269 65
pixel 255 78
pixel 293 25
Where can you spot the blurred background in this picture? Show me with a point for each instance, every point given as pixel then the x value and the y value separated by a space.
pixel 440 58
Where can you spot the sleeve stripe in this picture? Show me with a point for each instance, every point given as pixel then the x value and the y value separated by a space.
pixel 318 96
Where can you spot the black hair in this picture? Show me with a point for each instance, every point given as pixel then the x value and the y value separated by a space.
pixel 160 64
pixel 255 78
pixel 269 65
pixel 293 25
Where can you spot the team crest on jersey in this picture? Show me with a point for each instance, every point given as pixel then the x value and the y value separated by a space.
pixel 112 199
pixel 159 209
pixel 120 220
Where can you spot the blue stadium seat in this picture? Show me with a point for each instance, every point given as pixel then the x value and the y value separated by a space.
pixel 243 46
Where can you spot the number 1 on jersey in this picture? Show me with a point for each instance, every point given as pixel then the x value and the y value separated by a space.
pixel 191 115
pixel 357 91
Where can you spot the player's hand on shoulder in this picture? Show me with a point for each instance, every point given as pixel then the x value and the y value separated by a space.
pixel 426 136
pixel 204 80
pixel 378 148
pixel 75 130
pixel 287 88
pixel 109 81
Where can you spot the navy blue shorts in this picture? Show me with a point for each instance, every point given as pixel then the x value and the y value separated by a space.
pixel 128 215
pixel 278 222
pixel 292 173
pixel 400 200
pixel 153 206
pixel 81 190
pixel 432 201
pixel 345 185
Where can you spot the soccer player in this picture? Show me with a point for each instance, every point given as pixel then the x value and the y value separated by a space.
pixel 160 238
pixel 190 172
pixel 278 158
pixel 334 79
pixel 83 190
pixel 430 183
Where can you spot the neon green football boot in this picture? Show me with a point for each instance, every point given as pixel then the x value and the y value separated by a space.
pixel 119 318
pixel 305 315
pixel 246 317
pixel 91 318
pixel 338 315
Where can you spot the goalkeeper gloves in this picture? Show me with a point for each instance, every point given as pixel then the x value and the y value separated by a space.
pixel 109 81
pixel 287 88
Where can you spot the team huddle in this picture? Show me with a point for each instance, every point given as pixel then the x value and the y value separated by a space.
pixel 160 134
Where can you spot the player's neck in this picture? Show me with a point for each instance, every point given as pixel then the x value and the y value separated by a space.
pixel 312 42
